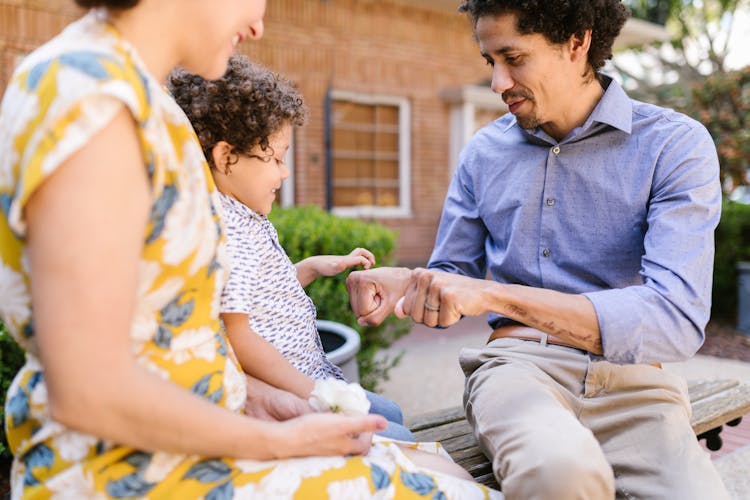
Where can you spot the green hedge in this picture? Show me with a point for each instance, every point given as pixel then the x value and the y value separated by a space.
pixel 308 230
pixel 11 360
pixel 732 246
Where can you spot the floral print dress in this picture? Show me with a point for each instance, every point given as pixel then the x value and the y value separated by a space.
pixel 59 97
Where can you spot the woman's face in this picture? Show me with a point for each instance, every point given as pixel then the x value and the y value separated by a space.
pixel 217 26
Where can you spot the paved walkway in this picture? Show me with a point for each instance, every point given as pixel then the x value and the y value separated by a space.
pixel 429 378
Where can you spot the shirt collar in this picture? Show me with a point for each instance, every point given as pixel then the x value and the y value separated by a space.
pixel 239 207
pixel 614 109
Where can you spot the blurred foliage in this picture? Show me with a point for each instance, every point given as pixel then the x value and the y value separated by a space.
pixel 722 103
pixel 700 32
pixel 308 230
pixel 655 11
pixel 732 246
pixel 11 360
pixel 689 73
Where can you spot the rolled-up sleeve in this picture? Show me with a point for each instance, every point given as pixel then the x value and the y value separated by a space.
pixel 664 319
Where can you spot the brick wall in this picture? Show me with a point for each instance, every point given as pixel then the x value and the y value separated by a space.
pixel 371 46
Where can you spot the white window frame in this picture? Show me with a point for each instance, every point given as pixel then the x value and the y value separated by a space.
pixel 287 187
pixel 465 101
pixel 404 156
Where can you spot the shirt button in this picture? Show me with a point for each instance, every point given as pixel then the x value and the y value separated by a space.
pixel 550 202
pixel 556 150
pixel 546 252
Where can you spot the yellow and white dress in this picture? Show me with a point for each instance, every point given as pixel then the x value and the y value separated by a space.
pixel 59 97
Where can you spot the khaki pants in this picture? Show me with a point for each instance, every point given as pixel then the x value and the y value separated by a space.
pixel 558 425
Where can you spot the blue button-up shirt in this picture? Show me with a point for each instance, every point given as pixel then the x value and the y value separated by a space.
pixel 622 210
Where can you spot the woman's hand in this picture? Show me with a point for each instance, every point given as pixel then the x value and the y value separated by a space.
pixel 330 265
pixel 326 434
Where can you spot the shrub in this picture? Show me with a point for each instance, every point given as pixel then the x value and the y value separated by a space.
pixel 309 230
pixel 11 360
pixel 732 246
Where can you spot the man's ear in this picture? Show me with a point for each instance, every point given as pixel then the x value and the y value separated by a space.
pixel 579 45
pixel 221 154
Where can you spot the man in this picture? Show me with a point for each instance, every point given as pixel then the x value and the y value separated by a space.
pixel 594 216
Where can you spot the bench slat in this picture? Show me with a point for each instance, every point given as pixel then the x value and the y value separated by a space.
pixel 701 389
pixel 719 409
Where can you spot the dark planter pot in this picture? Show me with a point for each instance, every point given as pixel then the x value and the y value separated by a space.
pixel 743 297
pixel 341 345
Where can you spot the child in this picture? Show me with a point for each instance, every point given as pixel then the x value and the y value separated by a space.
pixel 244 122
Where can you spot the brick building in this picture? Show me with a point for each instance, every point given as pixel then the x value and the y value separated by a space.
pixel 392 88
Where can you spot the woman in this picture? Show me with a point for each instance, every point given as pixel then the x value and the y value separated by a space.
pixel 112 266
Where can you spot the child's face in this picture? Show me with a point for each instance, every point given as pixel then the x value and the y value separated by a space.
pixel 254 182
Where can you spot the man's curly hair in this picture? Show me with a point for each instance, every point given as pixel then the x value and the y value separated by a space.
pixel 558 20
pixel 243 108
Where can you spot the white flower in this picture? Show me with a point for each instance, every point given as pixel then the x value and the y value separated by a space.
pixel 161 465
pixel 151 300
pixel 192 344
pixel 19 107
pixel 189 236
pixel 74 446
pixel 235 387
pixel 287 475
pixel 352 489
pixel 73 484
pixel 339 396
pixel 39 395
pixel 459 489
pixel 14 299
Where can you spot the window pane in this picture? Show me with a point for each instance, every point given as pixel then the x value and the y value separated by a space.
pixel 386 170
pixel 365 154
pixel 386 142
pixel 387 197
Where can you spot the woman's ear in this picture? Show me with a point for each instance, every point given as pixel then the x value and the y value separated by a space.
pixel 221 154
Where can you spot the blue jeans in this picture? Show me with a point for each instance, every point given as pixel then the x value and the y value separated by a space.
pixel 392 412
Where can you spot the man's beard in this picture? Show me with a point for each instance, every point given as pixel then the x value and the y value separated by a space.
pixel 526 122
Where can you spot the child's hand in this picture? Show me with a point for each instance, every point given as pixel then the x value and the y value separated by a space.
pixel 331 265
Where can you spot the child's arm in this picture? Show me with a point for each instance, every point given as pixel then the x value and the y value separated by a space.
pixel 260 359
pixel 330 265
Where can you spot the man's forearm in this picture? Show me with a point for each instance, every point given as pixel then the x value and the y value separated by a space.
pixel 569 317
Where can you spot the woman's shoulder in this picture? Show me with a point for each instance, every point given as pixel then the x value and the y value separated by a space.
pixel 87 58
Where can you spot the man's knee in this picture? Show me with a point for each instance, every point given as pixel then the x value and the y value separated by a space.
pixel 560 474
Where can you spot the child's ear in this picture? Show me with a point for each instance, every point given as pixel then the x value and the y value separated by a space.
pixel 221 154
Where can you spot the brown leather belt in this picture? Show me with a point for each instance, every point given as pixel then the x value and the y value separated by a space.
pixel 528 333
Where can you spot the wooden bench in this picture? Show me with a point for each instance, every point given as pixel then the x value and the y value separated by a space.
pixel 715 403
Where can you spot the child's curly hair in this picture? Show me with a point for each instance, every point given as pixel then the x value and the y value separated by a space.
pixel 243 108
pixel 558 20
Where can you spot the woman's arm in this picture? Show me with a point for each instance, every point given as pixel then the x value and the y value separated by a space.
pixel 86 229
pixel 260 359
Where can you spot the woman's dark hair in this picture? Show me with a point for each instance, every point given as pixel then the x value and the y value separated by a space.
pixel 112 4
pixel 558 20
pixel 244 107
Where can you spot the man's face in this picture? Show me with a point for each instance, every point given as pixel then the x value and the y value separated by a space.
pixel 533 76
